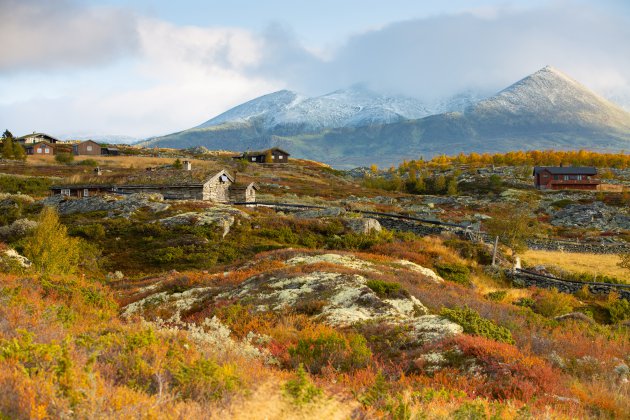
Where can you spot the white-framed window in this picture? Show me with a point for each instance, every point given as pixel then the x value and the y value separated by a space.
pixel 39 150
pixel 65 191
pixel 46 150
pixel 89 148
pixel 280 156
pixel 254 159
pixel 86 192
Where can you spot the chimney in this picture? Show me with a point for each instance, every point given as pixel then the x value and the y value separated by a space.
pixel 187 165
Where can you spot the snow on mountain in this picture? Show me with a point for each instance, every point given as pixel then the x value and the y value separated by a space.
pixel 356 106
pixel 263 107
pixel 550 96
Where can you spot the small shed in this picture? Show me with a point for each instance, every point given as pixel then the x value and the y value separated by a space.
pixel 109 151
pixel 41 149
pixel 243 193
pixel 277 156
pixel 88 147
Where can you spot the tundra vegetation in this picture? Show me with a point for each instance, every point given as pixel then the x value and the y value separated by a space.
pixel 126 315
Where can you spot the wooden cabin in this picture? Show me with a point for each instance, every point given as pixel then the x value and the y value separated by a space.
pixel 79 190
pixel 41 149
pixel 243 193
pixel 277 156
pixel 566 178
pixel 87 148
pixel 36 138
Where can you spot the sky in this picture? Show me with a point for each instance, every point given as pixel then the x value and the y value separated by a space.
pixel 144 68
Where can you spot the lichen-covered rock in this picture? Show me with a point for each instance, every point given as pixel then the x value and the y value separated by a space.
pixel 121 206
pixel 596 215
pixel 363 225
pixel 221 216
pixel 20 260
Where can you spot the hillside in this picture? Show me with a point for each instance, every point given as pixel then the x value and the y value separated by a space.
pixel 139 306
pixel 544 110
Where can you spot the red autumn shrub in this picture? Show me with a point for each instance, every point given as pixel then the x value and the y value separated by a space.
pixel 501 370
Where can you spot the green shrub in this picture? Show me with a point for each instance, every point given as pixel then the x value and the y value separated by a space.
pixel 92 231
pixel 553 303
pixel 24 185
pixel 496 296
pixel 619 310
pixel 88 162
pixel 205 379
pixel 64 158
pixel 344 353
pixel 474 324
pixel 525 302
pixel 458 273
pixel 470 411
pixel 386 289
pixel 300 389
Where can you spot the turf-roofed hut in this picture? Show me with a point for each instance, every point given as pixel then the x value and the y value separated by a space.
pixel 174 185
pixel 273 155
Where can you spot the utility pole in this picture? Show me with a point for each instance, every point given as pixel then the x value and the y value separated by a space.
pixel 494 253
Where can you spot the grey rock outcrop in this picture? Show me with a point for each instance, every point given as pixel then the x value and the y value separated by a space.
pixel 596 215
pixel 119 206
pixel 221 216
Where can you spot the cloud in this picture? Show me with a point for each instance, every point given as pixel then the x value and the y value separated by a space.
pixel 442 55
pixel 43 35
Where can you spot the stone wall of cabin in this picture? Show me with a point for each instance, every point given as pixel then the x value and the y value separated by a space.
pixel 216 191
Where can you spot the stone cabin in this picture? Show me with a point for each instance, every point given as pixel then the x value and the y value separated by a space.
pixel 42 149
pixel 243 193
pixel 566 178
pixel 37 138
pixel 215 188
pixel 278 156
pixel 88 147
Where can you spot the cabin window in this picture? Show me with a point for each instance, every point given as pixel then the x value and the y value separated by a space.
pixel 89 148
pixel 223 178
pixel 86 192
pixel 579 177
pixel 65 191
pixel 39 150
pixel 556 177
pixel 46 150
pixel 254 159
pixel 280 156
pixel 566 177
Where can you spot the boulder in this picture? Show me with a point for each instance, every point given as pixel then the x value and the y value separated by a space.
pixel 363 225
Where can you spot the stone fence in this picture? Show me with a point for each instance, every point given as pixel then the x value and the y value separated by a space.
pixel 527 279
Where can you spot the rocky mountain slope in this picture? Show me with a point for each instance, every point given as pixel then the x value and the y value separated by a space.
pixel 356 127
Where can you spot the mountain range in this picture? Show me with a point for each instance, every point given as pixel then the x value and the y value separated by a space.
pixel 358 127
